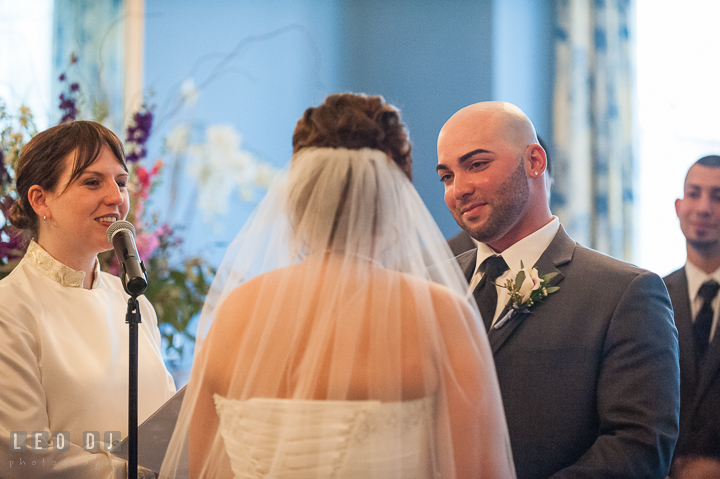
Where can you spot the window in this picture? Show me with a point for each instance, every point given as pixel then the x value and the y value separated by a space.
pixel 25 56
pixel 678 67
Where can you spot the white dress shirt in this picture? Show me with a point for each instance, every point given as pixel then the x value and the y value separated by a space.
pixel 528 250
pixel 696 277
pixel 64 366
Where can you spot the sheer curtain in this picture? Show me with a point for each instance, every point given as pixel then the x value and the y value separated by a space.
pixel 593 123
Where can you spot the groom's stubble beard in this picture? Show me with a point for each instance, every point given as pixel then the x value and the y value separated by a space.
pixel 507 205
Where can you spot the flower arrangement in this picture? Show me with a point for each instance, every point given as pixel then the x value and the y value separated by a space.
pixel 15 131
pixel 175 288
pixel 528 288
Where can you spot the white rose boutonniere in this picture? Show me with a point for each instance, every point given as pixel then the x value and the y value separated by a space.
pixel 527 289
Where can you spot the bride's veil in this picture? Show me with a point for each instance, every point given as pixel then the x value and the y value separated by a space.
pixel 340 290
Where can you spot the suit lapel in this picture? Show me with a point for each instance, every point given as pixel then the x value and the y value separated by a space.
pixel 707 369
pixel 678 288
pixel 558 253
pixel 467 263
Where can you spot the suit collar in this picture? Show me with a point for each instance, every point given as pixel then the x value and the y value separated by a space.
pixel 677 284
pixel 467 261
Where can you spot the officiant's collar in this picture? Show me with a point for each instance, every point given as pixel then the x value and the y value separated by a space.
pixel 528 250
pixel 57 271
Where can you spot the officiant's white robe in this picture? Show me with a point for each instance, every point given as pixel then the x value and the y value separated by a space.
pixel 64 367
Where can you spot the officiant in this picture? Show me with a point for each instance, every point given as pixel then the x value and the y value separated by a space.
pixel 63 337
pixel 586 351
pixel 694 293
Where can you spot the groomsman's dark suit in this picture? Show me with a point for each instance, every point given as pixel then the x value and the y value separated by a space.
pixel 589 378
pixel 699 383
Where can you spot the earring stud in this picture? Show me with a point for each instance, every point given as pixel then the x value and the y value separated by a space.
pixel 44 218
pixel 536 173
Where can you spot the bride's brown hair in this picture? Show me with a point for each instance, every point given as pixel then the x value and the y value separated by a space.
pixel 355 121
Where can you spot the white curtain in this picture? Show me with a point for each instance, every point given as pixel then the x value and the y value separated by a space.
pixel 593 123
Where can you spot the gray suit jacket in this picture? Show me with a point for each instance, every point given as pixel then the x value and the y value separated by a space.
pixel 590 377
pixel 699 383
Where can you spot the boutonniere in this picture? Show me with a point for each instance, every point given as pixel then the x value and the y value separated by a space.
pixel 526 290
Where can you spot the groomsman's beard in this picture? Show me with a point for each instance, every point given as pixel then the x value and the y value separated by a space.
pixel 705 248
pixel 506 206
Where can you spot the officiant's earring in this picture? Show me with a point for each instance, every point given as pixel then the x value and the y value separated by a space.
pixel 44 218
pixel 536 173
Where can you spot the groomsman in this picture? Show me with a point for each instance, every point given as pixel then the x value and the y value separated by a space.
pixel 694 293
pixel 588 373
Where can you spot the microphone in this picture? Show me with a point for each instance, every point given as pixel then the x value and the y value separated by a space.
pixel 121 235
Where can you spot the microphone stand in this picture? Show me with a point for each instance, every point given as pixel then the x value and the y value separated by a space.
pixel 132 318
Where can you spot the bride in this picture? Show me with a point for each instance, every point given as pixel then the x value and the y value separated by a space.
pixel 336 341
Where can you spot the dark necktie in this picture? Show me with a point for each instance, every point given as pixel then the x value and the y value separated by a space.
pixel 704 318
pixel 486 293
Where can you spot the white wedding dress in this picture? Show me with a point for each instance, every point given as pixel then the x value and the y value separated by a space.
pixel 288 438
pixel 336 341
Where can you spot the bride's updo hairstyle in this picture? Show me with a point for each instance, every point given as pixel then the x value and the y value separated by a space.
pixel 41 163
pixel 354 122
pixel 348 154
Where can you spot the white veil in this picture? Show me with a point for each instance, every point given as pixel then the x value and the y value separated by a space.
pixel 340 289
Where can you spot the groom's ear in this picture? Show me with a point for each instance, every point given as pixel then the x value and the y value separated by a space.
pixel 536 160
pixel 678 205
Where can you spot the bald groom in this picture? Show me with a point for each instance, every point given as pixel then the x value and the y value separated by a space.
pixel 589 376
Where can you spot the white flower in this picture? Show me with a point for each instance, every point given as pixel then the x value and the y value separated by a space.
pixel 265 175
pixel 529 284
pixel 220 166
pixel 178 139
pixel 189 92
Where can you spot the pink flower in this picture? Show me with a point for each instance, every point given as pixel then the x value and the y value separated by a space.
pixel 146 244
pixel 157 167
pixel 164 230
pixel 143 177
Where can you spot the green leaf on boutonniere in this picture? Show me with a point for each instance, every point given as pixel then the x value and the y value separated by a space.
pixel 552 289
pixel 549 276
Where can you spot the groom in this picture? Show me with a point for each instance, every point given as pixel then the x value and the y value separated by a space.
pixel 589 376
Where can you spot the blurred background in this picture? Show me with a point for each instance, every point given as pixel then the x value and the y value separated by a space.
pixel 623 92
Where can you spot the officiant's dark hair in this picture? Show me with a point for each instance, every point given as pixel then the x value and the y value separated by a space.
pixel 355 121
pixel 41 163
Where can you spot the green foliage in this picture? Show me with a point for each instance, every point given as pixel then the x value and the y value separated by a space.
pixel 177 295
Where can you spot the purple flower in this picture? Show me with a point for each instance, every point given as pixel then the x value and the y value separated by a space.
pixel 62 77
pixel 4 175
pixel 138 133
pixel 68 107
pixel 10 237
pixel 74 87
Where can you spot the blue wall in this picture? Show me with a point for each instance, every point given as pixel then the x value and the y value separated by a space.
pixel 428 58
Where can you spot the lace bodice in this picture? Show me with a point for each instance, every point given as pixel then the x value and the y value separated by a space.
pixel 286 438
